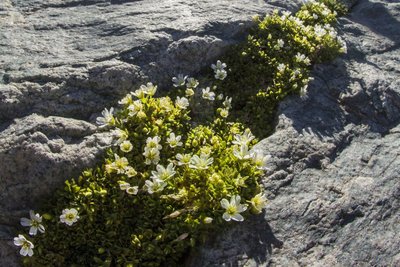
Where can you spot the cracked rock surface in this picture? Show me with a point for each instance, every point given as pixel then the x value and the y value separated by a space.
pixel 333 184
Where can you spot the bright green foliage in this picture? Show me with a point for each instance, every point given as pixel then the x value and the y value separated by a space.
pixel 149 227
pixel 276 59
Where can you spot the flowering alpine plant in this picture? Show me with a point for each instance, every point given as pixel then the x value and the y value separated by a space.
pixel 162 186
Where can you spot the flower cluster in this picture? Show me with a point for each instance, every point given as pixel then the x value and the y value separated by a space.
pixel 68 216
pixel 162 167
pixel 276 59
pixel 219 70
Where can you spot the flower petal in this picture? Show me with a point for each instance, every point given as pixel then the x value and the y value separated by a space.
pixel 30 252
pixel 33 230
pixel 224 203
pixel 237 217
pixel 226 217
pixel 25 222
pixel 241 207
pixel 23 251
pixel 18 241
pixel 41 228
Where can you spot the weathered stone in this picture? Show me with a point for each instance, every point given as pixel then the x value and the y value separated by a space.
pixel 334 185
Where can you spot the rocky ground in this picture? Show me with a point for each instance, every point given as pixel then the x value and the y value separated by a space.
pixel 334 185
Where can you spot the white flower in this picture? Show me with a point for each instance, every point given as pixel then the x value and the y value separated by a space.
pixel 179 81
pixel 126 100
pixel 332 33
pixel 183 159
pixel 107 119
pixel 202 163
pixel 182 103
pixel 233 209
pixel 302 58
pixel 189 92
pixel 325 12
pixel 298 21
pixel 243 139
pixel 220 97
pixel 34 222
pixel 69 216
pixel 109 167
pixel 218 66
pixel 152 155
pixel 149 89
pixel 281 67
pixel 135 108
pixel 173 140
pixel 122 135
pixel 192 83
pixel 130 171
pixel 220 74
pixel 315 16
pixel 286 14
pixel 319 31
pixel 259 202
pixel 132 190
pixel 280 43
pixel 303 91
pixel 139 93
pixel 163 173
pixel 224 113
pixel 227 102
pixel 242 152
pixel 260 160
pixel 126 146
pixel 26 246
pixel 119 164
pixel 123 185
pixel 207 94
pixel 166 103
pixel 154 186
pixel 153 142
pixel 208 220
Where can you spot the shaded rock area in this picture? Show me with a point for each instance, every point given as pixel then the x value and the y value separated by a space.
pixel 334 183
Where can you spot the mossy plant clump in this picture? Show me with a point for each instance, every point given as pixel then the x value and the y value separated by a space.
pixel 163 185
pixel 276 59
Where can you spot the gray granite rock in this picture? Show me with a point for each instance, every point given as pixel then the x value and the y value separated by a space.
pixel 334 183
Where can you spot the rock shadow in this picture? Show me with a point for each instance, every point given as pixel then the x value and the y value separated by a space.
pixel 337 98
pixel 253 240
pixel 377 18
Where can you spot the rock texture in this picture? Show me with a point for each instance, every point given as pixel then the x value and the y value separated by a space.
pixel 334 185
